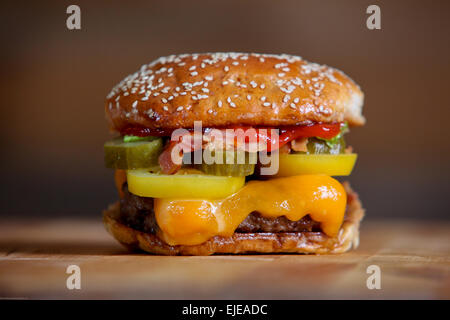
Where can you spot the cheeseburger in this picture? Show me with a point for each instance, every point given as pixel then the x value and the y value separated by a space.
pixel 233 153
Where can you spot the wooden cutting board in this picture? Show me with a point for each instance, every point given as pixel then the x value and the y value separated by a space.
pixel 413 258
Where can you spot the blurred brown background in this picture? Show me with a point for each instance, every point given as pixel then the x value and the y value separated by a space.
pixel 54 81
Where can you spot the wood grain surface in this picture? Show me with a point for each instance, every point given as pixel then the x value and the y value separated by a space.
pixel 413 257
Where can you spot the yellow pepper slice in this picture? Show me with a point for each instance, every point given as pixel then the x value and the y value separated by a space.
pixel 185 184
pixel 329 164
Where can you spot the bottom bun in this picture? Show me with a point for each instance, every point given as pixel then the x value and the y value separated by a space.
pixel 267 242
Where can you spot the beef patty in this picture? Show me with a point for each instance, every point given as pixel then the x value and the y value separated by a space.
pixel 137 212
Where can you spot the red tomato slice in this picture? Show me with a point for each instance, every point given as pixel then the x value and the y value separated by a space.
pixel 287 134
pixel 325 131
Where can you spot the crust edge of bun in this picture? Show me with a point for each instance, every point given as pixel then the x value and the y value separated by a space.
pixel 241 243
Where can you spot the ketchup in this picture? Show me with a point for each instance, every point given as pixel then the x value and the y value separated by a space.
pixel 139 131
pixel 288 133
pixel 325 131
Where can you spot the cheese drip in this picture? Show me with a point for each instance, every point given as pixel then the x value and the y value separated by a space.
pixel 191 222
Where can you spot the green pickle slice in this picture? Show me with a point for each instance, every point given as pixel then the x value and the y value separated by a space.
pixel 230 163
pixel 318 146
pixel 132 155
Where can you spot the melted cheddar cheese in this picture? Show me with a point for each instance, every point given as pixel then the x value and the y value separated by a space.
pixel 191 222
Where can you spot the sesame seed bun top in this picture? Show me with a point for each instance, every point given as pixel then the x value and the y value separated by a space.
pixel 229 89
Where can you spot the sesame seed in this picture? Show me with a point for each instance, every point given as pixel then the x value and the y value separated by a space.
pixel 194 73
pixel 281 74
pixel 205 90
pixel 266 104
pixel 249 97
pixel 192 68
pixel 135 104
pixel 164 100
pixel 296 100
pixel 262 86
pixel 180 108
pixel 235 63
pixel 226 68
pixel 219 103
pixel 263 98
pixel 292 105
pixel 253 84
pixel 209 78
pixel 144 98
pixel 210 111
pixel 166 108
pixel 224 83
pixel 232 104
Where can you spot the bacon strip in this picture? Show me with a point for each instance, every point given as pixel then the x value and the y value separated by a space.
pixel 165 159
